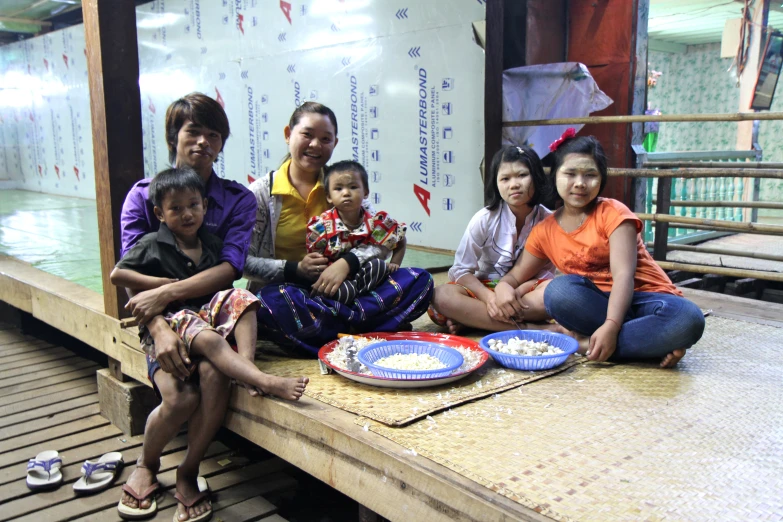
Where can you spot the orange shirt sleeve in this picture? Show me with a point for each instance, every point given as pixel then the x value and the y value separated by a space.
pixel 615 213
pixel 536 241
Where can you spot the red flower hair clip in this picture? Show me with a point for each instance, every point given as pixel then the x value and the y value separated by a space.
pixel 569 133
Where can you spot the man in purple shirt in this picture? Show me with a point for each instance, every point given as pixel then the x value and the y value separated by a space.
pixel 230 216
pixel 196 131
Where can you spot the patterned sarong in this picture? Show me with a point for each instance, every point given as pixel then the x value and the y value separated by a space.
pixel 289 315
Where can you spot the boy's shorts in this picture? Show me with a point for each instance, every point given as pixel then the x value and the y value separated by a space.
pixel 219 315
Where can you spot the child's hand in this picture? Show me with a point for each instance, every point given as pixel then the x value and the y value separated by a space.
pixel 147 304
pixel 494 311
pixel 172 354
pixel 312 266
pixel 393 267
pixel 603 342
pixel 331 279
pixel 507 302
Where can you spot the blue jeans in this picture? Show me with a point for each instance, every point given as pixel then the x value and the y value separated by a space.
pixel 655 324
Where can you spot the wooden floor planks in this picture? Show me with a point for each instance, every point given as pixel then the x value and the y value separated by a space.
pixel 48 411
pixel 46 382
pixel 49 400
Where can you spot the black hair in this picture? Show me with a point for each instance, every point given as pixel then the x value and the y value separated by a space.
pixel 175 180
pixel 201 110
pixel 579 145
pixel 512 154
pixel 346 166
pixel 310 107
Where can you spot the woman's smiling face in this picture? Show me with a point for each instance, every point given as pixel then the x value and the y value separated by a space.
pixel 311 142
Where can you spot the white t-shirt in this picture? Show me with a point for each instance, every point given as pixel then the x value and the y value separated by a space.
pixel 490 245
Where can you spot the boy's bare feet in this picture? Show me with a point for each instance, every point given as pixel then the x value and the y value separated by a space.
pixel 284 387
pixel 187 487
pixel 141 479
pixel 671 360
pixel 454 327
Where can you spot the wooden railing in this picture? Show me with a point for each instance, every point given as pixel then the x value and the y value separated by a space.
pixel 715 192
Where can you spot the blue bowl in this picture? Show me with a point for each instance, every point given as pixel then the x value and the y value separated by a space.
pixel 373 352
pixel 568 344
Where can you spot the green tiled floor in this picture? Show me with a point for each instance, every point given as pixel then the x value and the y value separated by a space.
pixel 59 235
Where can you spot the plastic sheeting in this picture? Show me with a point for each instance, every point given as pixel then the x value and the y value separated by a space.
pixel 405 81
pixel 540 92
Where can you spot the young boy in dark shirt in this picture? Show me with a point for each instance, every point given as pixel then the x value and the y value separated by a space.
pixel 180 249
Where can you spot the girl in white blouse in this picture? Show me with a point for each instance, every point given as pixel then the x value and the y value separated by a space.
pixel 514 188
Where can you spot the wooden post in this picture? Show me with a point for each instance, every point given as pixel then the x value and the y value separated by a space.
pixel 661 227
pixel 126 404
pixel 113 66
pixel 493 81
pixel 750 73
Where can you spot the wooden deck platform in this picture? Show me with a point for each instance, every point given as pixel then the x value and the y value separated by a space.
pixel 49 400
pixel 320 439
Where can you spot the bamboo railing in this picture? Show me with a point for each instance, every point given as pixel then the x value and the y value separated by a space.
pixel 666 171
pixel 721 252
pixel 733 116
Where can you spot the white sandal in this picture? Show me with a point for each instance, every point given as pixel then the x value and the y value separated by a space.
pixel 99 475
pixel 43 472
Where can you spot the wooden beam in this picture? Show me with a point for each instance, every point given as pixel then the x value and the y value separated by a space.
pixel 637 118
pixel 698 173
pixel 702 249
pixel 770 205
pixel 683 222
pixel 661 227
pixel 39 23
pixel 113 66
pixel 720 270
pixel 711 164
pixel 493 81
pixel 749 75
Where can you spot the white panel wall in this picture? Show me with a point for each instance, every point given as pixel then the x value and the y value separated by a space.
pixel 405 80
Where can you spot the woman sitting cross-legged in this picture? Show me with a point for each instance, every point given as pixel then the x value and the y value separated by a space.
pixel 614 297
pixel 283 275
pixel 514 186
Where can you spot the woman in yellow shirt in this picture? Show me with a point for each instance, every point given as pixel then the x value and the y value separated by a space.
pixel 281 272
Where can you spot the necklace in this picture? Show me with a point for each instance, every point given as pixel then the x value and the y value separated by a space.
pixel 560 221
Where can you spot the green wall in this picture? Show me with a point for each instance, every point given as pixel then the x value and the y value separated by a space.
pixel 699 81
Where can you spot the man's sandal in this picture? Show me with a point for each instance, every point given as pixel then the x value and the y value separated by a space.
pixel 189 503
pixel 137 513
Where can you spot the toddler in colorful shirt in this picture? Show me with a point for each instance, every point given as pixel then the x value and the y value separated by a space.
pixel 348 225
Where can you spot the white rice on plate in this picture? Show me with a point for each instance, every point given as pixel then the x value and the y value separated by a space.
pixel 343 356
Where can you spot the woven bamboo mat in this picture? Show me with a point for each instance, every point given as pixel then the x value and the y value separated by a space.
pixel 398 407
pixel 630 442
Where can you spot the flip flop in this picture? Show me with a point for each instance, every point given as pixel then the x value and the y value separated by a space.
pixel 129 513
pixel 189 503
pixel 43 472
pixel 100 474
